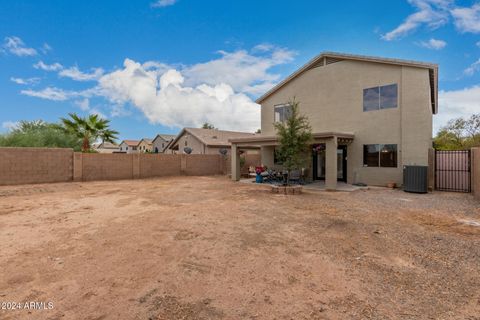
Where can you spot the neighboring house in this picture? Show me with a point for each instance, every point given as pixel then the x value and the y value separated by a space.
pixel 206 141
pixel 129 146
pixel 369 116
pixel 161 141
pixel 145 145
pixel 107 147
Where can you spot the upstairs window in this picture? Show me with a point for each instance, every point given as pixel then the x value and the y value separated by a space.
pixel 384 97
pixel 380 155
pixel 282 112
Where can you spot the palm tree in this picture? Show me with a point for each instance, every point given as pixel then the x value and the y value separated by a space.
pixel 89 129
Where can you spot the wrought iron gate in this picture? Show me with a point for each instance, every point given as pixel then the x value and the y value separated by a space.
pixel 453 170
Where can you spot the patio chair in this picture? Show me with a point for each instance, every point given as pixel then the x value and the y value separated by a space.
pixel 295 176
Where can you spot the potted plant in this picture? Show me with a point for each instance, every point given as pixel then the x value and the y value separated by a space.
pixel 259 177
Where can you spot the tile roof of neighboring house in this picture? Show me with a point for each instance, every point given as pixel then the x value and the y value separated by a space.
pixel 212 137
pixel 166 137
pixel 107 145
pixel 148 141
pixel 133 143
pixel 326 58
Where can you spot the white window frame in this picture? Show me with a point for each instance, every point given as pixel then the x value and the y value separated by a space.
pixel 282 105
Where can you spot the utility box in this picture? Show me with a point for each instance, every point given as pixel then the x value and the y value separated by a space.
pixel 415 179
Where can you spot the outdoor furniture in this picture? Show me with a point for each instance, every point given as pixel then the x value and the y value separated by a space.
pixel 295 176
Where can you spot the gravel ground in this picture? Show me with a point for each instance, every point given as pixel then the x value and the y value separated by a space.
pixel 208 248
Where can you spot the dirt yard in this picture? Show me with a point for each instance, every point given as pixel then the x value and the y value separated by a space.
pixel 207 248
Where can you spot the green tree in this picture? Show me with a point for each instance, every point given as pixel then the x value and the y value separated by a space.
pixel 295 136
pixel 89 129
pixel 39 134
pixel 207 125
pixel 459 134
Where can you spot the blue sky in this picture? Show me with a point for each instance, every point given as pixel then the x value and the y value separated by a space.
pixel 155 66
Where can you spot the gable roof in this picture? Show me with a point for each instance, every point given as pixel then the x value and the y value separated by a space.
pixel 326 58
pixel 166 137
pixel 148 141
pixel 132 143
pixel 107 145
pixel 212 137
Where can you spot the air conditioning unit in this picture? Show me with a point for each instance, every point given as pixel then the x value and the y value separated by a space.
pixel 415 179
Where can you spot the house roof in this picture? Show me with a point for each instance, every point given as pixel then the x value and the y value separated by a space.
pixel 259 138
pixel 148 141
pixel 326 58
pixel 166 137
pixel 132 143
pixel 212 137
pixel 107 145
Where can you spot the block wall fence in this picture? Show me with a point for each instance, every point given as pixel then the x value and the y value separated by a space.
pixel 476 172
pixel 43 165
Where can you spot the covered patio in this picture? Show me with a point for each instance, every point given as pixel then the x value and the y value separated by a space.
pixel 267 144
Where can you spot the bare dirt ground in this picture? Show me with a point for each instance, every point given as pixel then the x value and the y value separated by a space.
pixel 207 248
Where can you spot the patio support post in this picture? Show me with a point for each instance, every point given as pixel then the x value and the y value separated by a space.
pixel 331 164
pixel 235 162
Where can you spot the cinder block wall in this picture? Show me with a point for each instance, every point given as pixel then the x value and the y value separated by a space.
pixel 476 172
pixel 97 166
pixel 159 165
pixel 42 165
pixel 102 166
pixel 202 164
pixel 35 165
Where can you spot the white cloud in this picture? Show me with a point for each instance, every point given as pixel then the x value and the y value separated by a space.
pixel 432 13
pixel 16 46
pixel 48 67
pixel 455 104
pixel 46 48
pixel 474 67
pixel 166 100
pixel 241 70
pixel 25 81
pixel 163 3
pixel 10 125
pixel 467 19
pixel 216 91
pixel 263 47
pixel 77 75
pixel 49 93
pixel 83 104
pixel 436 13
pixel 433 44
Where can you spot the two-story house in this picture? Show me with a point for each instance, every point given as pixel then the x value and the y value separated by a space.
pixel 161 142
pixel 129 146
pixel 370 116
pixel 145 145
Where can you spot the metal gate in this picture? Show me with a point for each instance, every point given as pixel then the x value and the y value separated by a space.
pixel 453 170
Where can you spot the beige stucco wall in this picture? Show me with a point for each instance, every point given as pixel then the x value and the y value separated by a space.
pixel 123 147
pixel 143 144
pixel 192 142
pixel 159 143
pixel 331 97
